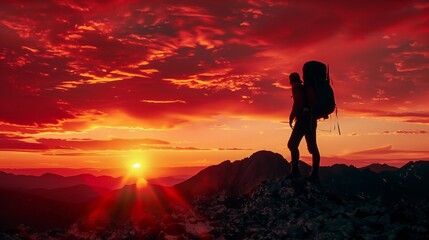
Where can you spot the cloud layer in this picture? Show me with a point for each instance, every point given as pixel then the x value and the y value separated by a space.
pixel 72 61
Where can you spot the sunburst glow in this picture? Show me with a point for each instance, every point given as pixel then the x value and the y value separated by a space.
pixel 137 166
pixel 138 169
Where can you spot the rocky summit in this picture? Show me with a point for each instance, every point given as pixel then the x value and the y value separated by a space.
pixel 282 209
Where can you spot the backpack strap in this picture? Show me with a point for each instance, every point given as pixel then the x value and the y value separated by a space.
pixel 327 75
pixel 338 121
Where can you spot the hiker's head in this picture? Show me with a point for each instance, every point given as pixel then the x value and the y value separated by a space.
pixel 294 78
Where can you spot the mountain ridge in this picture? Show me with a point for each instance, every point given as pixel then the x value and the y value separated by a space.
pixel 378 168
pixel 237 177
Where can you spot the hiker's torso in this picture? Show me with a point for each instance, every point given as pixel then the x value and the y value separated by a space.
pixel 302 100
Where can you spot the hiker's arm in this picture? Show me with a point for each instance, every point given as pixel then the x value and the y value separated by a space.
pixel 297 103
pixel 291 118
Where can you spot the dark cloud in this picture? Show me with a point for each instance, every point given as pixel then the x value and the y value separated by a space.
pixel 421 117
pixel 383 150
pixel 411 132
pixel 17 143
pixel 379 150
pixel 76 154
pixel 88 147
pixel 21 143
pixel 91 144
pixel 296 26
pixel 234 149
pixel 29 107
pixel 307 22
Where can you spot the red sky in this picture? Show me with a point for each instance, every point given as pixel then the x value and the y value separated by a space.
pixel 102 84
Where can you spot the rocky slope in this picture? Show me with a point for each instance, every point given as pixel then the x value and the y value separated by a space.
pixel 276 209
pixel 281 209
pixel 235 178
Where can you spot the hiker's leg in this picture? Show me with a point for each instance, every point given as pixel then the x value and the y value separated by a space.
pixel 293 143
pixel 310 138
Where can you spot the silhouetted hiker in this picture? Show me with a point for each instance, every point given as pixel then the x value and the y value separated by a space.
pixel 311 101
pixel 301 113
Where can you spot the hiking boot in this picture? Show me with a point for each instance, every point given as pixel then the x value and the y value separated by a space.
pixel 313 178
pixel 294 175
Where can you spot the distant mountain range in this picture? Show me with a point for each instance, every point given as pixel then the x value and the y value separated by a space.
pixel 48 201
pixel 114 172
pixel 52 181
pixel 378 168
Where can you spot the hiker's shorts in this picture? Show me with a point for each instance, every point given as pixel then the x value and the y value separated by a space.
pixel 305 126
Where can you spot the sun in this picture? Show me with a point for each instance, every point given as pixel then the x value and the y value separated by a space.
pixel 138 168
pixel 136 165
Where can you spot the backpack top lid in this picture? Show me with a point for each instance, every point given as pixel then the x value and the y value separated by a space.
pixel 319 93
pixel 314 71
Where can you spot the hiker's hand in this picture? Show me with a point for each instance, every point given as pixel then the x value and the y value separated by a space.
pixel 291 118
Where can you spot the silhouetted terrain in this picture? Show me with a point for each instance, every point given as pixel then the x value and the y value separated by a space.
pixel 378 168
pixel 250 198
pixel 73 194
pixel 283 209
pixel 236 178
pixel 168 181
pixel 52 181
pixel 141 205
pixel 37 212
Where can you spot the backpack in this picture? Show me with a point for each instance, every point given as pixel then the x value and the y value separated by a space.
pixel 318 90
